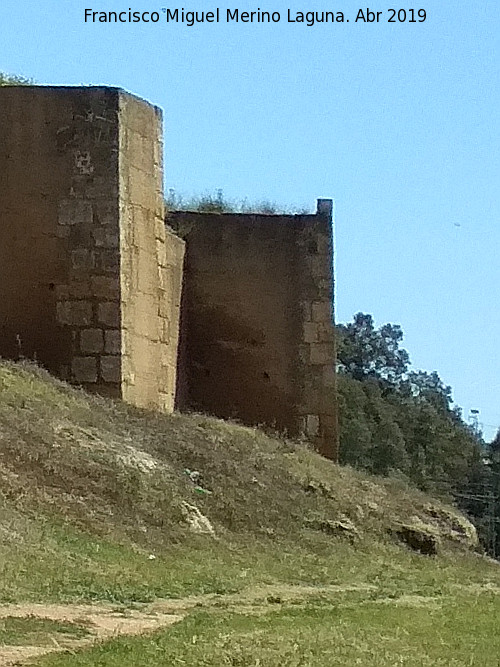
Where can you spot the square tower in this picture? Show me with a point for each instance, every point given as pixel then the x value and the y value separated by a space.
pixel 91 280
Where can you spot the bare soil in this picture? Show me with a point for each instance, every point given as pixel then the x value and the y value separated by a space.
pixel 105 621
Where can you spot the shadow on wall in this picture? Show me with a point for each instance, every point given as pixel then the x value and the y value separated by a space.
pixel 225 369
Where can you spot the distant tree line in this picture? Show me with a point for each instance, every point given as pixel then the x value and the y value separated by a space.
pixel 400 422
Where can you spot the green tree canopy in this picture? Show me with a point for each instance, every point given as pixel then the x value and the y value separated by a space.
pixel 366 352
pixel 394 420
pixel 495 444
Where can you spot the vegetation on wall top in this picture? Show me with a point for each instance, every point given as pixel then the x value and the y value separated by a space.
pixel 217 203
pixel 14 80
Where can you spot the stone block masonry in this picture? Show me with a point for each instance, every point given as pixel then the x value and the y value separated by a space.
pixel 91 277
pixel 86 287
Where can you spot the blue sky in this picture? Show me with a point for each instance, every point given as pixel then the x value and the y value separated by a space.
pixel 399 123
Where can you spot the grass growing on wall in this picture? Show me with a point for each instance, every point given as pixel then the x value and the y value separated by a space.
pixel 218 203
pixel 14 80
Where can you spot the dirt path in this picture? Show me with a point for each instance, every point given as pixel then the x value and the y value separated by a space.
pixel 105 620
pixel 102 622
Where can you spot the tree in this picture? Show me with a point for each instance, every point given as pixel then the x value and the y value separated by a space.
pixel 365 352
pixel 495 445
pixel 428 387
pixel 393 419
pixel 355 423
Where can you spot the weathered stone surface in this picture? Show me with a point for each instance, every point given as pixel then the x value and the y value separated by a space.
pixel 258 309
pixel 105 239
pixel 113 341
pixel 329 377
pixel 312 425
pixel 321 353
pixel 321 311
pixel 326 332
pixel 311 332
pixel 77 313
pixel 76 289
pixel 82 259
pixel 92 340
pixel 111 368
pixel 165 331
pixel 306 311
pixel 75 212
pixel 106 260
pixel 105 287
pixel 84 369
pixel 108 314
pixel 84 187
pixel 418 539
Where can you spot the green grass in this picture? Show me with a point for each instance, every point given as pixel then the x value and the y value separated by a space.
pixel 119 473
pixel 91 508
pixel 63 564
pixel 33 631
pixel 376 632
pixel 217 203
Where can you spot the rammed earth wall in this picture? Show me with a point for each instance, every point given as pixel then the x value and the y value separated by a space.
pixel 91 278
pixel 257 338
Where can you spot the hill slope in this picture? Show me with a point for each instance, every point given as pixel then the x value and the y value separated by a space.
pixel 100 501
pixel 136 476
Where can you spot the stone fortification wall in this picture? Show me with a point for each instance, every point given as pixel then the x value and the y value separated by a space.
pixel 82 241
pixel 91 278
pixel 151 262
pixel 257 323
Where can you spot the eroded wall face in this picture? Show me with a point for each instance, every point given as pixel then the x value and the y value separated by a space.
pixel 151 262
pixel 59 292
pixel 240 320
pixel 317 356
pixel 256 333
pixel 90 281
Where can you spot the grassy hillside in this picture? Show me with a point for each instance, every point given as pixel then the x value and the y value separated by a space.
pixel 100 501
